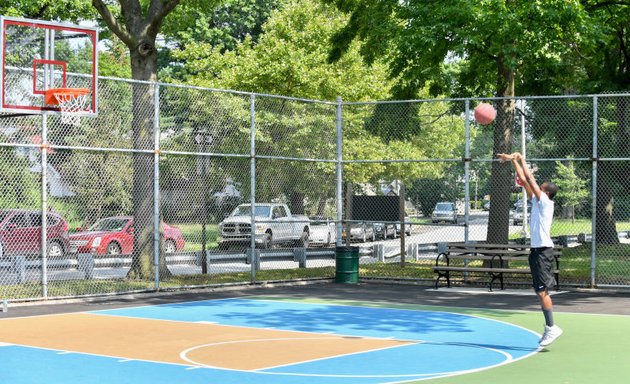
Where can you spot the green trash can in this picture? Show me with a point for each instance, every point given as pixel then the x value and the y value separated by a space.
pixel 347 265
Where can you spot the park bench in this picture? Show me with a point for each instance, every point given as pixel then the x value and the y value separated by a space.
pixel 500 260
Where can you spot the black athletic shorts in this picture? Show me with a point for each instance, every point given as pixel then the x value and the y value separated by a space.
pixel 541 263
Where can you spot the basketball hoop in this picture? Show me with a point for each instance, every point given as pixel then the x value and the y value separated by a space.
pixel 71 102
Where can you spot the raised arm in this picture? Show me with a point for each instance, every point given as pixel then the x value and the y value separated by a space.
pixel 522 171
pixel 528 177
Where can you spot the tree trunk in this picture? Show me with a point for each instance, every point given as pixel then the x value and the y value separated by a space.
pixel 501 182
pixel 296 203
pixel 321 207
pixel 143 64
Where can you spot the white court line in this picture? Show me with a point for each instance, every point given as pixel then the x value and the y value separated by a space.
pixel 418 376
pixel 5 344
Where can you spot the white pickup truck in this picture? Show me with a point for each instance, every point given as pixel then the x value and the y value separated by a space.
pixel 274 224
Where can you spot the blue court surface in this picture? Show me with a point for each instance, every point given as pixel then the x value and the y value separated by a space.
pixel 432 344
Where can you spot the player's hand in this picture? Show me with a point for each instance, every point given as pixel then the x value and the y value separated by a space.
pixel 517 156
pixel 503 157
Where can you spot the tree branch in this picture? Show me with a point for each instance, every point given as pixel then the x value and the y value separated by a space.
pixel 157 12
pixel 112 23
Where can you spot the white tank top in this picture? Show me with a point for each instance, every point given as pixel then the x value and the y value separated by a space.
pixel 540 221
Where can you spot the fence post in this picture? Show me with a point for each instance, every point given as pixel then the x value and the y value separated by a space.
pixel 253 258
pixel 378 252
pixel 252 181
pixel 412 251
pixel 466 172
pixel 86 264
pixel 339 171
pixel 442 247
pixel 44 239
pixel 156 183
pixel 19 266
pixel 594 203
pixel 299 255
pixel 401 217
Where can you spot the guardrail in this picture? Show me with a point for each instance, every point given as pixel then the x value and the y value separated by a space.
pixel 86 264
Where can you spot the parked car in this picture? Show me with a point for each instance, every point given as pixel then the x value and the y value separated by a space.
pixel 323 231
pixel 361 232
pixel 385 230
pixel 276 225
pixel 114 236
pixel 21 233
pixel 444 211
pixel 517 217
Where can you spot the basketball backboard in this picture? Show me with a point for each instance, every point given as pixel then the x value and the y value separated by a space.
pixel 39 56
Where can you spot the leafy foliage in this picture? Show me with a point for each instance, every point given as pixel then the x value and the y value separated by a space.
pixel 572 189
pixel 57 10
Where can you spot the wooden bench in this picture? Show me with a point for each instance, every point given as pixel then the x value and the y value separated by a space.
pixel 500 260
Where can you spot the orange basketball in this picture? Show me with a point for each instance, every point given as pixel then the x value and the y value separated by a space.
pixel 485 113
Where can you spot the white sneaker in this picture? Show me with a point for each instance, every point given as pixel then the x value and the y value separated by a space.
pixel 550 335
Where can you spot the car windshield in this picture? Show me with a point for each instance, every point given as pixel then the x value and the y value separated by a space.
pixel 245 210
pixel 444 207
pixel 109 225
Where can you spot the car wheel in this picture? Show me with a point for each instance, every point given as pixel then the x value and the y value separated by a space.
pixel 169 246
pixel 113 249
pixel 55 249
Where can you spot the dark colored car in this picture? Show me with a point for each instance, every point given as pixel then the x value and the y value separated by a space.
pixel 114 236
pixel 21 233
pixel 385 230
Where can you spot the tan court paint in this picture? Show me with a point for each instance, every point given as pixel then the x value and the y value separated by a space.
pixel 163 341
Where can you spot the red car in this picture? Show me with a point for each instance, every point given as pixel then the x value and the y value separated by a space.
pixel 114 236
pixel 21 233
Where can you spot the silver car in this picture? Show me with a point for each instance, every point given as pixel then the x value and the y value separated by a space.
pixel 444 212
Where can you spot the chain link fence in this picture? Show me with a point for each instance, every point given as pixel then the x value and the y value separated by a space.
pixel 157 191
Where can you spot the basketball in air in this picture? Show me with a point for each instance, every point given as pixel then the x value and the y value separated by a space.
pixel 485 113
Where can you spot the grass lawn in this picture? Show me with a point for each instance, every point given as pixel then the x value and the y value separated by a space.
pixel 565 227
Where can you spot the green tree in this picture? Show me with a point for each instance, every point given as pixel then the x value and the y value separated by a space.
pixel 494 43
pixel 59 10
pixel 290 58
pixel 222 28
pixel 572 189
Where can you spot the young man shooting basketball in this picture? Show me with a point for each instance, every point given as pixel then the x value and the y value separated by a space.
pixel 541 257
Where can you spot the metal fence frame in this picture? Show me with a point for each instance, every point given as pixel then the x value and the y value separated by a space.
pixel 338 160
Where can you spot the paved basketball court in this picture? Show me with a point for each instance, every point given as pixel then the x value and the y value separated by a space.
pixel 320 333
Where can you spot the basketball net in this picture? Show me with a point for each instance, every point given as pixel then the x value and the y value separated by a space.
pixel 71 105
